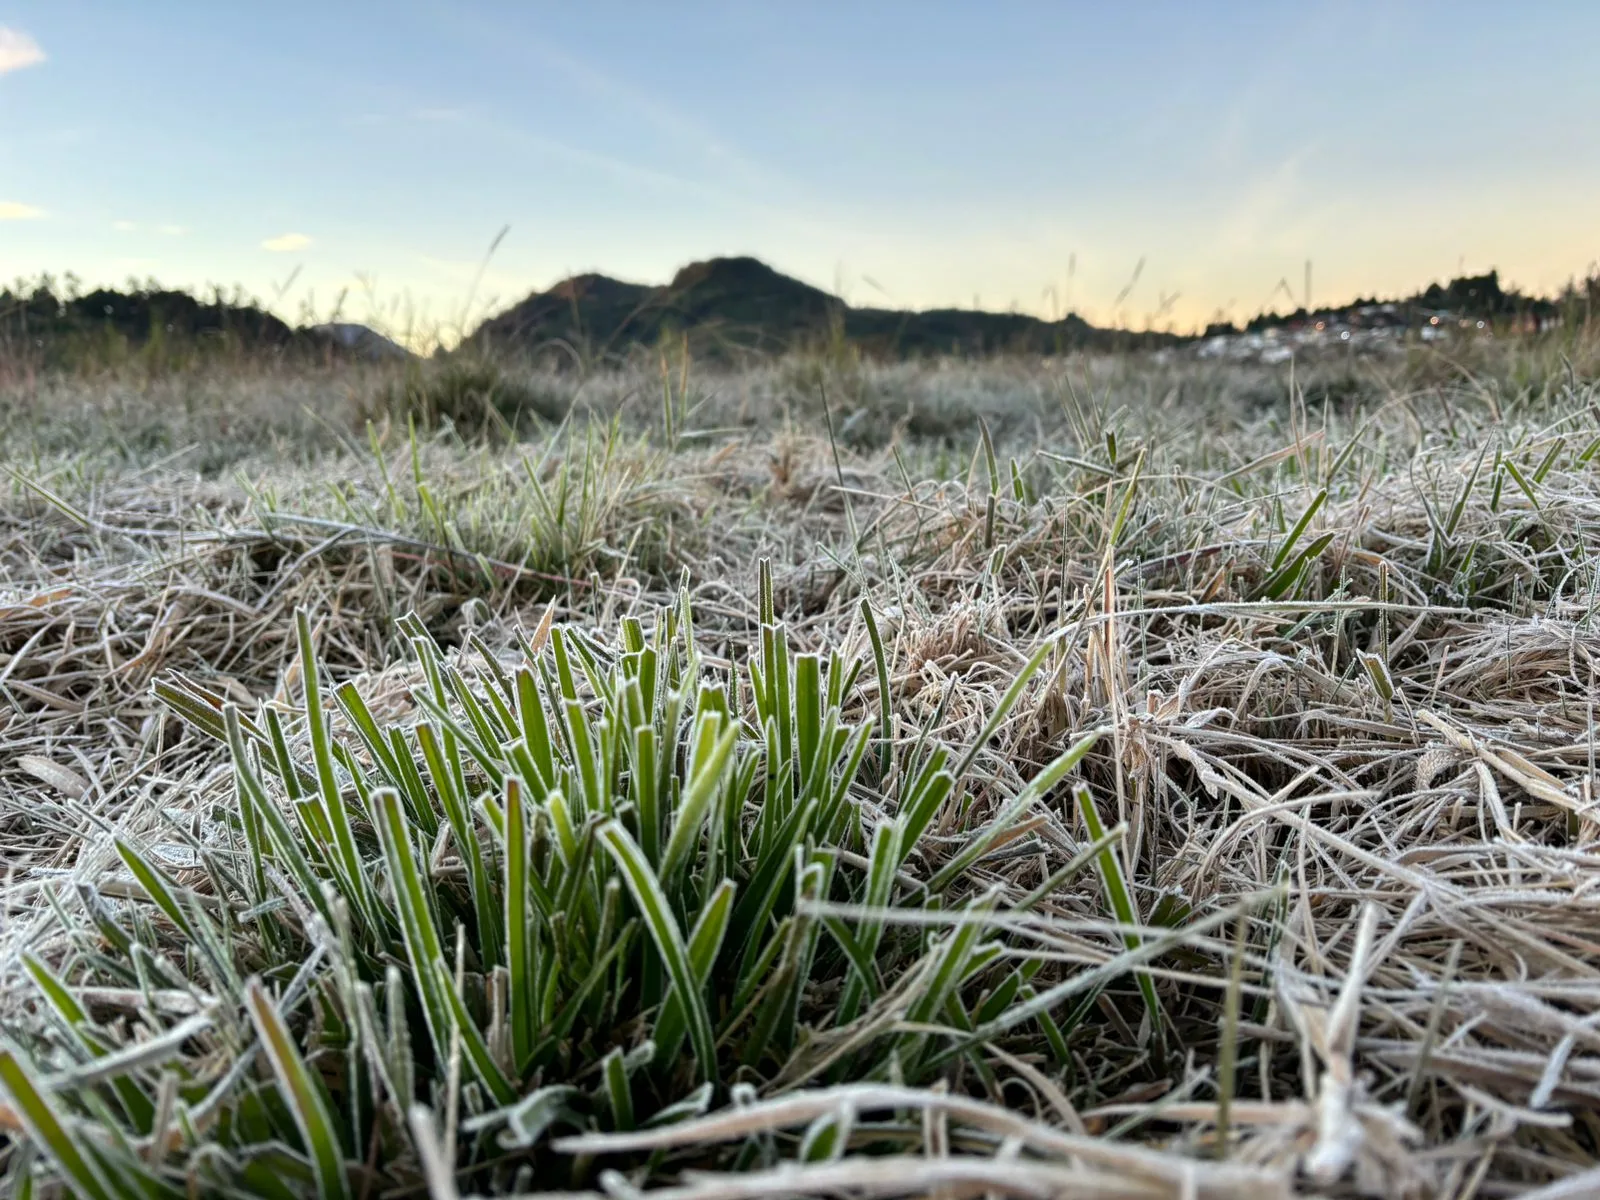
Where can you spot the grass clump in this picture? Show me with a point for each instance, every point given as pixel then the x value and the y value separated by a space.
pixel 588 892
pixel 473 396
pixel 442 523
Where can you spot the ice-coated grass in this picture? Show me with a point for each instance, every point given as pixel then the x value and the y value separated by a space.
pixel 1116 778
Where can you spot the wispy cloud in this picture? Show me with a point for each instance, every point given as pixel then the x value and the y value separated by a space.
pixel 1272 207
pixel 284 243
pixel 1272 84
pixel 719 170
pixel 633 173
pixel 680 129
pixel 168 230
pixel 17 50
pixel 10 210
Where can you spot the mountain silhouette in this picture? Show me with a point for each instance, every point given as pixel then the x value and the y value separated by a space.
pixel 740 305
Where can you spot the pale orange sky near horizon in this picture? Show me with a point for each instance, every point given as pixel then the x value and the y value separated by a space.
pixel 1024 154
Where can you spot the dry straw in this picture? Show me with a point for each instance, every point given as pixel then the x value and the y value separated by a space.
pixel 1127 780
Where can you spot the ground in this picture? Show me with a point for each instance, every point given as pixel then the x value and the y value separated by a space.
pixel 1116 777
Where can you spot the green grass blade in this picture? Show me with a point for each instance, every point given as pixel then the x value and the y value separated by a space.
pixel 337 813
pixel 708 760
pixel 1293 538
pixel 424 946
pixel 301 1093
pixel 1035 790
pixel 1277 584
pixel 705 943
pixel 48 1132
pixel 618 1089
pixel 668 938
pixel 885 705
pixel 519 912
pixel 1122 905
pixel 286 848
pixel 1523 482
pixel 1003 709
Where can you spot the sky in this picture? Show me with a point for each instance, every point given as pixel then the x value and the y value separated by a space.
pixel 1157 162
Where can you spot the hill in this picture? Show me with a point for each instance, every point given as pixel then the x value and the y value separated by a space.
pixel 730 308
pixel 360 340
pixel 65 328
pixel 740 305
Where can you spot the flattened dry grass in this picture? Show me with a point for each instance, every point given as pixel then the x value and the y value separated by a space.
pixel 1314 914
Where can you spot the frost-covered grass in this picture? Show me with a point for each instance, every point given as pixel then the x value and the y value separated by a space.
pixel 1113 778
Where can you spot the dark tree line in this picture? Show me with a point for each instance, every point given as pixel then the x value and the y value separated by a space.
pixel 1469 297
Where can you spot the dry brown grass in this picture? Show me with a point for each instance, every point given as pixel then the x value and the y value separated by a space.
pixel 1358 809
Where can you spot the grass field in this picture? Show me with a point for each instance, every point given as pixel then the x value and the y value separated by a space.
pixel 1093 778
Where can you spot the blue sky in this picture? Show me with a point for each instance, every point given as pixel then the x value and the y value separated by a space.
pixel 920 153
